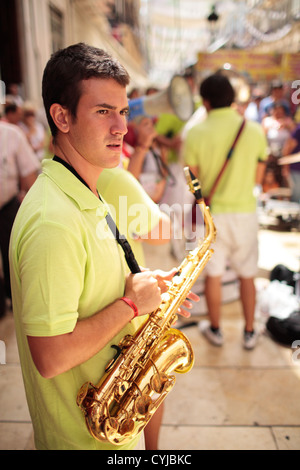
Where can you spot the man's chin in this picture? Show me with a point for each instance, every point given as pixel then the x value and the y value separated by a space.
pixel 114 162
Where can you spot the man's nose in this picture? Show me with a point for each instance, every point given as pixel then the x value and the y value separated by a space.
pixel 119 126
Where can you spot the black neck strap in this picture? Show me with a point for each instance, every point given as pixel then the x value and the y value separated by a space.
pixel 70 168
pixel 121 239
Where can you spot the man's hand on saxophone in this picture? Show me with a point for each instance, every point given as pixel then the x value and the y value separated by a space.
pixel 164 280
pixel 145 290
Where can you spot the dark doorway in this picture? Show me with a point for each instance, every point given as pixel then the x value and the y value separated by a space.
pixel 10 64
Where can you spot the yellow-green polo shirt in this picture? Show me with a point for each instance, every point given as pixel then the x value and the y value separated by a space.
pixel 134 211
pixel 65 266
pixel 207 145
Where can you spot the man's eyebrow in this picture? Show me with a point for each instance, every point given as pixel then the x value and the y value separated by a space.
pixel 109 106
pixel 105 105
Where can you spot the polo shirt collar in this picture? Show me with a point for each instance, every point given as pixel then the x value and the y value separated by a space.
pixel 72 186
pixel 225 111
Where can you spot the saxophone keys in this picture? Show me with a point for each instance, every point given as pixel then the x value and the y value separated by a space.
pixel 114 359
pixel 82 394
pixel 161 382
pixel 144 405
pixel 110 428
pixel 86 397
pixel 121 388
pixel 126 426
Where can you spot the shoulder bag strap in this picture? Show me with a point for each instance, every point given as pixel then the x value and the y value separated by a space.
pixel 208 199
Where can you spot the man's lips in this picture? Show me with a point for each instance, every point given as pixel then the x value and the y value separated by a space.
pixel 115 145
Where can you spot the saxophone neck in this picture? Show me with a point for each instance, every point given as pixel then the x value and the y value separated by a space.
pixel 195 188
pixel 210 229
pixel 193 184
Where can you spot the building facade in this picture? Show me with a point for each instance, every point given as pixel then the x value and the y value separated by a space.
pixel 31 30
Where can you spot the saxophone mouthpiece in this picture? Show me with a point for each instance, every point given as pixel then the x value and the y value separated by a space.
pixel 193 183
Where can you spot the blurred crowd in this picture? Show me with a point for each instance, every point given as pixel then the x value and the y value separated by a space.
pixel 270 105
pixel 152 146
pixel 152 152
pixel 280 119
pixel 29 118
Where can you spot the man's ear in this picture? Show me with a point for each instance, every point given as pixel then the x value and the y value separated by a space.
pixel 60 116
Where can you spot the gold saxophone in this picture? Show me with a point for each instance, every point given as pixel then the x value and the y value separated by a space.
pixel 137 379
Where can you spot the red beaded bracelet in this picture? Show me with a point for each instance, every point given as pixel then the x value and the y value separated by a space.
pixel 131 304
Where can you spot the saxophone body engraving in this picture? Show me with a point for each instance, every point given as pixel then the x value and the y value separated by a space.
pixel 140 376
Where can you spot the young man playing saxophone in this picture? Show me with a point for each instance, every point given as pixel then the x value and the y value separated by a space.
pixel 70 284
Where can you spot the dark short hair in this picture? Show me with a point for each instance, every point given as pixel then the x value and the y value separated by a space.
pixel 10 108
pixel 217 90
pixel 67 68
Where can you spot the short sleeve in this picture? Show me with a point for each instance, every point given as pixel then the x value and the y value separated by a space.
pixel 132 208
pixel 51 261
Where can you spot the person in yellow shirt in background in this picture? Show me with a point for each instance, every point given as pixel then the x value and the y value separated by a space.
pixel 233 204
